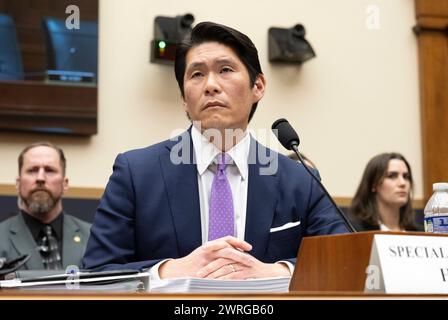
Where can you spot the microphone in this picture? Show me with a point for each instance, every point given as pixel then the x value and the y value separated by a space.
pixel 289 139
pixel 11 266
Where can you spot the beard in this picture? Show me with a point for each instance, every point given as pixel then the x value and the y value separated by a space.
pixel 40 202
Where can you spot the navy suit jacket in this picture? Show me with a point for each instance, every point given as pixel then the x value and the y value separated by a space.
pixel 150 209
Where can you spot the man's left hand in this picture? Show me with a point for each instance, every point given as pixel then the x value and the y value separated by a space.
pixel 252 268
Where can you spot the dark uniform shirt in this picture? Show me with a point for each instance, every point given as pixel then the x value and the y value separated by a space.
pixel 36 228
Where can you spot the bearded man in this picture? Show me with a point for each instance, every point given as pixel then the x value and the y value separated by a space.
pixel 54 239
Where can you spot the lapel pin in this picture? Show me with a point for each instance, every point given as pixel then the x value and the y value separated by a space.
pixel 77 239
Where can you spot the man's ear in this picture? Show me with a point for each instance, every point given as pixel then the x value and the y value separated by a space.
pixel 65 184
pixel 17 183
pixel 259 87
pixel 184 103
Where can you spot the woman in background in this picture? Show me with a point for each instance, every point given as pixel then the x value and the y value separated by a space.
pixel 383 199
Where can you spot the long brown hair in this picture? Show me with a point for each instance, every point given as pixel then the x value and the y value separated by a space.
pixel 364 205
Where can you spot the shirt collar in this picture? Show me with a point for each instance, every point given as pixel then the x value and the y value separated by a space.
pixel 205 152
pixel 383 227
pixel 36 226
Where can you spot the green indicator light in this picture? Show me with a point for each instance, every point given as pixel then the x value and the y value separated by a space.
pixel 162 44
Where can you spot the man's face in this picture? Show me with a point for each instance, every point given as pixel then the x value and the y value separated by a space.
pixel 217 90
pixel 41 181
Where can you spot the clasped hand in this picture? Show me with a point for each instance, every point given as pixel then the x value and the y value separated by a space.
pixel 224 258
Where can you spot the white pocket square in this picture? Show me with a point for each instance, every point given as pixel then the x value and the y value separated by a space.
pixel 285 226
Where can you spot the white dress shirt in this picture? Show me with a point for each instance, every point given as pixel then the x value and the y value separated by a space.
pixel 237 173
pixel 383 227
pixel 205 154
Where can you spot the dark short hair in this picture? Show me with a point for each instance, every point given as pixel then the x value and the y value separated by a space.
pixel 43 144
pixel 364 205
pixel 213 32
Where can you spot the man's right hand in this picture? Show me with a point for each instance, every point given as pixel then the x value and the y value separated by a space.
pixel 225 250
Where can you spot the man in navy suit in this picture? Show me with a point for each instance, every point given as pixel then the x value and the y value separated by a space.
pixel 213 202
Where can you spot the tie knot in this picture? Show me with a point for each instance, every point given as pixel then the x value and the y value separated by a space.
pixel 223 160
pixel 48 231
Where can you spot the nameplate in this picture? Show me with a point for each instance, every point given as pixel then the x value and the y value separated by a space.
pixel 408 264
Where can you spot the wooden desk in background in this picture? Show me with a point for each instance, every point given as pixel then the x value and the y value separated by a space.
pixel 36 106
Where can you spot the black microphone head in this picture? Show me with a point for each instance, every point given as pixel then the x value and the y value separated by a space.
pixel 285 133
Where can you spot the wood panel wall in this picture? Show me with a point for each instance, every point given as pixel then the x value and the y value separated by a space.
pixel 432 34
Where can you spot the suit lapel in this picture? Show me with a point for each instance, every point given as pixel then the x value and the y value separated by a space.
pixel 24 243
pixel 261 200
pixel 73 242
pixel 182 188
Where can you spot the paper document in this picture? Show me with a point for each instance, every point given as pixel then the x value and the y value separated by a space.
pixel 198 285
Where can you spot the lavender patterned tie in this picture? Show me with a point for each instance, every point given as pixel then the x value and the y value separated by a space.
pixel 221 214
